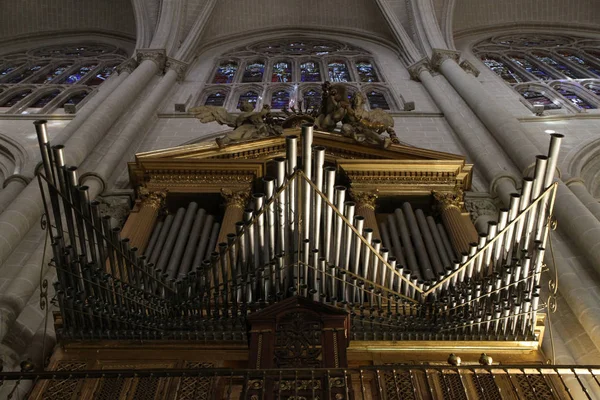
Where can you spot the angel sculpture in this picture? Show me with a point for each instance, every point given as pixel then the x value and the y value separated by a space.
pixel 247 125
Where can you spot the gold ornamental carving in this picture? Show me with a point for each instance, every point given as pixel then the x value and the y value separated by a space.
pixel 365 199
pixel 449 199
pixel 154 199
pixel 238 199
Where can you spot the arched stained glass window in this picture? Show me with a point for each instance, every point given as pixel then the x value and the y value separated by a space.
pixel 102 75
pixel 7 69
pixel 502 70
pixel 546 59
pixel 535 97
pixel 80 73
pixel 26 73
pixel 225 72
pixel 366 71
pixel 55 72
pixel 280 99
pixel 282 72
pixel 593 88
pixel 338 71
pixel 76 98
pixel 575 58
pixel 249 97
pixel 377 100
pixel 45 99
pixel 574 98
pixel 311 99
pixel 215 99
pixel 310 72
pixel 530 67
pixel 254 72
pixel 16 98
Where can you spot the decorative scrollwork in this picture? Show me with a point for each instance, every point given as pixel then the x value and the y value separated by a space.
pixel 552 303
pixel 44 221
pixel 44 294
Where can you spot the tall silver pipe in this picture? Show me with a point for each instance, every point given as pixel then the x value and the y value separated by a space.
pixel 491 233
pixel 498 245
pixel 366 252
pixel 432 252
pixel 359 222
pixel 192 243
pixel 182 239
pixel 307 140
pixel 340 198
pixel 395 272
pixel 395 239
pixel 84 199
pixel 161 239
pixel 315 274
pixel 259 201
pixel 214 236
pixel 269 185
pixel 541 163
pixel 328 225
pixel 280 163
pixel 305 261
pixel 508 237
pixel 72 182
pixel 411 258
pixel 317 200
pixel 59 161
pixel 385 254
pixel 42 136
pixel 291 145
pixel 349 207
pixel 153 239
pixel 553 150
pixel 202 251
pixel 376 243
pixel 242 247
pixel 479 261
pixel 421 250
pixel 165 252
pixel 249 232
pixel 95 210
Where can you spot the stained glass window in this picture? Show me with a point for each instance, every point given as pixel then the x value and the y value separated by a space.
pixel 311 99
pixel 377 100
pixel 216 99
pixel 282 72
pixel 7 69
pixel 366 71
pixel 310 72
pixel 530 67
pixel 502 70
pixel 76 98
pixel 26 73
pixel 225 72
pixel 58 70
pixel 16 98
pixel 535 97
pixel 102 75
pixel 593 88
pixel 254 72
pixel 250 97
pixel 45 99
pixel 574 98
pixel 546 59
pixel 338 71
pixel 573 57
pixel 79 74
pixel 280 99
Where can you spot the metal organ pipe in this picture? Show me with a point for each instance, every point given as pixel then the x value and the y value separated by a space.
pixel 340 198
pixel 201 251
pixel 182 239
pixel 307 139
pixel 269 186
pixel 317 200
pixel 411 258
pixel 280 164
pixel 429 244
pixel 349 208
pixel 291 143
pixel 329 192
pixel 396 246
pixel 424 264
pixel 192 243
pixel 161 238
pixel 165 252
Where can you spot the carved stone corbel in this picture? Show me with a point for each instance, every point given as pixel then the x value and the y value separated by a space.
pixel 441 55
pixel 469 68
pixel 159 56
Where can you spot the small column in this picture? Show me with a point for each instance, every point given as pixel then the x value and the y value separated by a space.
pixel 235 203
pixel 142 219
pixel 578 188
pixel 13 185
pixel 365 206
pixel 459 227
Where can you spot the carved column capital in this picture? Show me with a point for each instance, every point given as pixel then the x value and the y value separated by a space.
pixel 238 198
pixel 418 67
pixel 469 68
pixel 159 56
pixel 449 199
pixel 365 199
pixel 155 199
pixel 179 67
pixel 441 55
pixel 128 66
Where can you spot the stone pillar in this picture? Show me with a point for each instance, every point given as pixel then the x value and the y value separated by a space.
pixel 365 206
pixel 461 230
pixel 579 189
pixel 142 218
pixel 235 203
pixel 12 187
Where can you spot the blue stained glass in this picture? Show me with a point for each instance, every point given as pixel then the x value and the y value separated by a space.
pixel 254 72
pixel 52 74
pixel 531 68
pixel 366 71
pixel 44 100
pixel 16 98
pixel 594 89
pixel 225 72
pixel 280 99
pixel 312 99
pixel 502 70
pixel 25 74
pixel 79 74
pixel 76 98
pixel 574 98
pixel 377 100
pixel 282 72
pixel 102 75
pixel 555 64
pixel 8 69
pixel 215 99
pixel 534 98
pixel 310 72
pixel 579 60
pixel 250 97
pixel 338 71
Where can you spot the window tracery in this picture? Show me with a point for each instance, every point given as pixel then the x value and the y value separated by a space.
pixel 569 67
pixel 58 68
pixel 255 73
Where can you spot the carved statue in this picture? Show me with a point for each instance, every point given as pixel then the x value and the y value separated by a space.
pixel 247 125
pixel 334 106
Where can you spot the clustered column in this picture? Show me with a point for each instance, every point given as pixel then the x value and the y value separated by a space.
pixel 142 219
pixel 365 206
pixel 460 228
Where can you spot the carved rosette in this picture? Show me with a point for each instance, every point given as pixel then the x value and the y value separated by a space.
pixel 365 199
pixel 237 199
pixel 420 66
pixel 469 68
pixel 128 66
pixel 441 55
pixel 179 67
pixel 159 56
